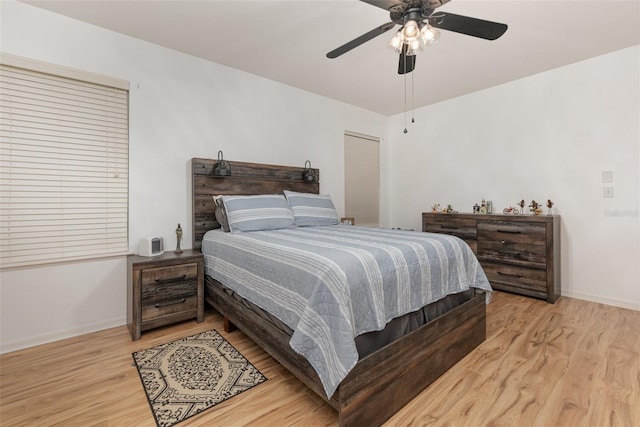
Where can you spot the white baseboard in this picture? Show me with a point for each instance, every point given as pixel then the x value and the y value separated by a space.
pixel 602 300
pixel 7 347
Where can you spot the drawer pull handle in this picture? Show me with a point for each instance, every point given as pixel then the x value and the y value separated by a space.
pixel 449 227
pixel 507 274
pixel 167 304
pixel 503 252
pixel 184 276
pixel 510 231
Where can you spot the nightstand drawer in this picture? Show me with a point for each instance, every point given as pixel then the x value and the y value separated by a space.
pixel 530 233
pixel 164 300
pixel 168 275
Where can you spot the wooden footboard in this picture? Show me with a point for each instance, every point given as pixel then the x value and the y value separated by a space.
pixel 386 380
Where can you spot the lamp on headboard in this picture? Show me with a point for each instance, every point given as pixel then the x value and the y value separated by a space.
pixel 308 174
pixel 222 167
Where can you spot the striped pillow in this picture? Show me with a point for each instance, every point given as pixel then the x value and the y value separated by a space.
pixel 220 214
pixel 312 209
pixel 259 212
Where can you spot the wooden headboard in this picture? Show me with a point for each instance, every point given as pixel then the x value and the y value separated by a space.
pixel 246 178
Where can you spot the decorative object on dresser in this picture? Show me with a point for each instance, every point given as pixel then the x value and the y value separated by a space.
pixel 534 208
pixel 549 206
pixel 187 376
pixel 511 210
pixel 165 289
pixel 483 207
pixel 519 253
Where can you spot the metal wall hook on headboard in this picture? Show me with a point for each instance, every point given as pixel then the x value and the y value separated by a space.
pixel 222 167
pixel 308 174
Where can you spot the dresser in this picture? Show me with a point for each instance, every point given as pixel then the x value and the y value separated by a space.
pixel 519 253
pixel 164 289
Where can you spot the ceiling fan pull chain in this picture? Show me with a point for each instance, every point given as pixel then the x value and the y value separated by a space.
pixel 405 103
pixel 413 110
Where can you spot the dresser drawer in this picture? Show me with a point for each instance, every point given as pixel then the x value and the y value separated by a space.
pixel 530 233
pixel 515 277
pixel 466 229
pixel 505 252
pixel 442 223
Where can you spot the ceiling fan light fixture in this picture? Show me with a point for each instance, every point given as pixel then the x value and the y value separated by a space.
pixel 413 47
pixel 410 29
pixel 415 35
pixel 429 35
pixel 396 42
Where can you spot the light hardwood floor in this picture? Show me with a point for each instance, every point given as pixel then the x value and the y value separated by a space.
pixel 574 363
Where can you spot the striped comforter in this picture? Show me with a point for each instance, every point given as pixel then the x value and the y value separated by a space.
pixel 331 284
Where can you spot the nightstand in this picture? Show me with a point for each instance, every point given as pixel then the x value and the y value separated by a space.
pixel 164 289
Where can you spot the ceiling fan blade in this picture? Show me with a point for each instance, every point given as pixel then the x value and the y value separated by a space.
pixel 470 26
pixel 383 4
pixel 360 40
pixel 388 4
pixel 406 63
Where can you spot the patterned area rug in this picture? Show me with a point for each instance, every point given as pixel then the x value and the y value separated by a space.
pixel 187 376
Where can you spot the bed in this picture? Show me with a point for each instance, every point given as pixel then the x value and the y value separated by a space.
pixel 389 369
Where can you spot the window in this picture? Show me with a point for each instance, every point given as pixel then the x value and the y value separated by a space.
pixel 64 159
pixel 362 182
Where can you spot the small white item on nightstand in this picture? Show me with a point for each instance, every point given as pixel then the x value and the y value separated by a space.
pixel 151 246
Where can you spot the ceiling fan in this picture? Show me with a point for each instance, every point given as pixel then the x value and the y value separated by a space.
pixel 420 24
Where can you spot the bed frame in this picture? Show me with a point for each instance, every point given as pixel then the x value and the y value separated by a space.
pixel 381 383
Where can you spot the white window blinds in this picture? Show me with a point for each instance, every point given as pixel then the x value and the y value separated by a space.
pixel 362 182
pixel 64 160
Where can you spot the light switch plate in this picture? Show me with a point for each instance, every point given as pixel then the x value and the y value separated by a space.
pixel 607 192
pixel 607 177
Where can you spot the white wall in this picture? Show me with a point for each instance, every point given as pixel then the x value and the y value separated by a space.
pixel 180 107
pixel 548 136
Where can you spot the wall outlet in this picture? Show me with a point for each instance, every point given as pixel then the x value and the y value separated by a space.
pixel 607 192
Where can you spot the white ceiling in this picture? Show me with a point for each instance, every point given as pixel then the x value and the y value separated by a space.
pixel 287 41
